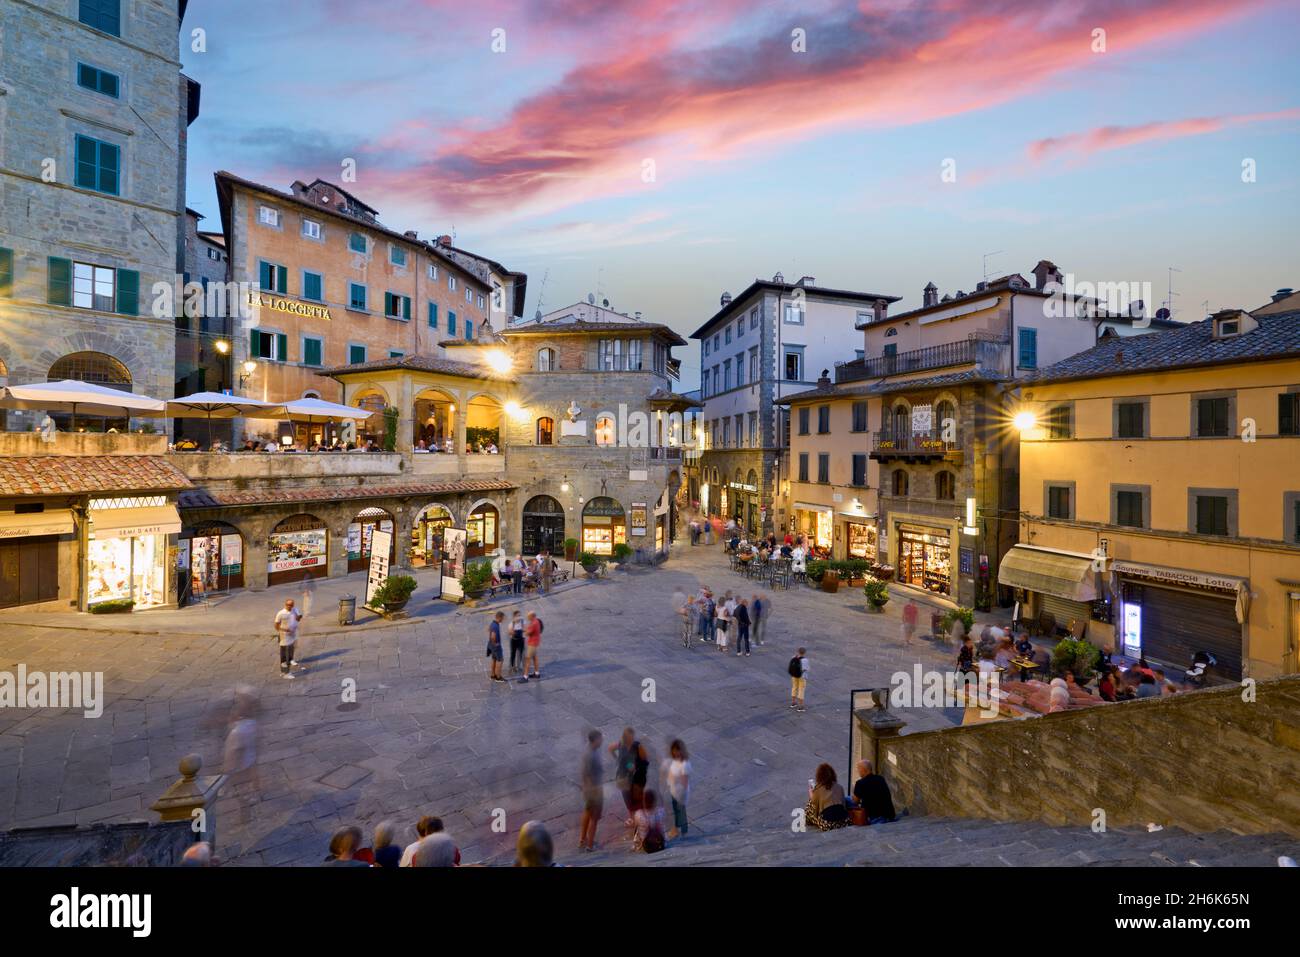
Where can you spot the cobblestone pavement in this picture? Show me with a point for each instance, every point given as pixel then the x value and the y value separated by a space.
pixel 428 733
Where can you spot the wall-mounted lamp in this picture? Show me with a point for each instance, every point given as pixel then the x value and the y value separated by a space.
pixel 222 346
pixel 249 368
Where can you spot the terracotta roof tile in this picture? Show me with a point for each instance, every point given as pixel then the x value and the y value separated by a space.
pixel 205 498
pixel 73 475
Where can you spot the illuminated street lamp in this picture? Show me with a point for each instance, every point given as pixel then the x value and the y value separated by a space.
pixel 249 368
pixel 222 346
pixel 1025 420
pixel 498 361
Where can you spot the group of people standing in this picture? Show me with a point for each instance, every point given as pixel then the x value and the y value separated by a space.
pixel 718 619
pixel 645 821
pixel 525 645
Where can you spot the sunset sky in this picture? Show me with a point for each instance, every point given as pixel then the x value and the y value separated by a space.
pixel 1115 165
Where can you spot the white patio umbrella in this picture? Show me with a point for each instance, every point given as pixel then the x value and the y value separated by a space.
pixel 312 411
pixel 73 395
pixel 218 405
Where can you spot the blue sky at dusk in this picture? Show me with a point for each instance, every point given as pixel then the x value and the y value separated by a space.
pixel 827 162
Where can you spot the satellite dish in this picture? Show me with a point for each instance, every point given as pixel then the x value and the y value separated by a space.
pixel 605 303
pixel 591 298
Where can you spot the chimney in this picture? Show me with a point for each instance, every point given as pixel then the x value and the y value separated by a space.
pixel 1046 272
pixel 878 310
pixel 981 286
pixel 779 277
pixel 806 281
pixel 299 188
pixel 411 234
pixel 1282 294
pixel 638 315
pixel 930 295
pixel 824 382
pixel 725 299
pixel 444 240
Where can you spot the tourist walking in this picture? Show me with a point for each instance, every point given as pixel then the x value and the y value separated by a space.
pixel 593 792
pixel 742 628
pixel 910 612
pixel 545 561
pixel 532 645
pixel 631 764
pixel 722 621
pixel 516 642
pixel 798 671
pixel 679 785
pixel 759 610
pixel 286 627
pixel 494 649
pixel 707 611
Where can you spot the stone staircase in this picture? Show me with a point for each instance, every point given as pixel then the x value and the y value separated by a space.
pixel 951 842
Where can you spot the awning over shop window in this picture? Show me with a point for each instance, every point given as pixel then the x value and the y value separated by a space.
pixel 134 522
pixel 54 521
pixel 808 507
pixel 1049 573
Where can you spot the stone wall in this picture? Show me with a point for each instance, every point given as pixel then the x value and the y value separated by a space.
pixel 1200 760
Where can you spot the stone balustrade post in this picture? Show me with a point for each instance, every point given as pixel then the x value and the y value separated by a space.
pixel 193 799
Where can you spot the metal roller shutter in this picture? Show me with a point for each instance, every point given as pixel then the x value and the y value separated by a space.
pixel 1064 610
pixel 1177 624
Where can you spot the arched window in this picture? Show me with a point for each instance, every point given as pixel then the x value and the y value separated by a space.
pixel 545 431
pixel 605 430
pixel 900 482
pixel 944 486
pixel 901 419
pixel 546 360
pixel 944 413
pixel 92 367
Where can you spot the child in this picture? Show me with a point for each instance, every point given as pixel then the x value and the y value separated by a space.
pixel 798 670
pixel 649 825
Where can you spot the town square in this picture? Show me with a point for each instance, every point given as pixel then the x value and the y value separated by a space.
pixel 626 438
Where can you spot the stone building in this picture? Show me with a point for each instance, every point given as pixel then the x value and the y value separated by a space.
pixel 93 118
pixel 203 355
pixel 766 343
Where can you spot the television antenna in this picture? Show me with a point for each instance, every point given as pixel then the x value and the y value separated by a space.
pixel 986 262
pixel 1169 298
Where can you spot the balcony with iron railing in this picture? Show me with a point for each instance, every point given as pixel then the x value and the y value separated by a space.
pixel 917 445
pixel 982 349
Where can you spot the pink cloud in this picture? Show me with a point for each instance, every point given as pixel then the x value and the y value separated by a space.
pixel 1118 137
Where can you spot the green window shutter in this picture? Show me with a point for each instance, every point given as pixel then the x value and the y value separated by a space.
pixel 87 166
pixel 281 347
pixel 311 286
pixel 451 323
pixel 60 282
pixel 406 308
pixel 255 343
pixel 433 315
pixel 281 280
pixel 6 272
pixel 128 292
pixel 265 275
pixel 311 352
pixel 356 354
pixel 469 329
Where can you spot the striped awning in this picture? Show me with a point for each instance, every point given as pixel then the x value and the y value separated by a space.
pixel 1049 573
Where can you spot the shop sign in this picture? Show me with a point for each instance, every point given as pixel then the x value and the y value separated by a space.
pixel 291 307
pixel 1177 576
pixel 292 550
pixel 637 518
pixel 967 561
pixel 381 543
pixel 232 554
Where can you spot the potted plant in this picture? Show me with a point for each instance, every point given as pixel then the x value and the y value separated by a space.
pixel 1078 656
pixel 967 616
pixel 476 579
pixel 815 568
pixel 570 549
pixel 394 593
pixel 590 563
pixel 622 552
pixel 877 593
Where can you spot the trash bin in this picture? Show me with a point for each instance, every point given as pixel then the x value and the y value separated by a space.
pixel 348 610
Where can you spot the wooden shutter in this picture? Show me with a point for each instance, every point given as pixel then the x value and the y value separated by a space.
pixel 433 315
pixel 406 308
pixel 128 292
pixel 6 272
pixel 1288 403
pixel 281 347
pixel 1028 349
pixel 265 275
pixel 59 286
pixel 255 344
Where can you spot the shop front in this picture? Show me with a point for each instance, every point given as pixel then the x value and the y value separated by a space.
pixel 1169 615
pixel 1055 584
pixel 815 523
pixel 860 539
pixel 361 532
pixel 925 558
pixel 426 536
pixel 482 530
pixel 543 528
pixel 210 558
pixel 297 550
pixel 126 550
pixel 604 525
pixel 29 555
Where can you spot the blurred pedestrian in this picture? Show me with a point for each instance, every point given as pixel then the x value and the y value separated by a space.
pixel 387 852
pixel 532 645
pixel 679 785
pixel 286 627
pixel 649 823
pixel 534 847
pixel 759 611
pixel 516 642
pixel 495 653
pixel 798 670
pixel 910 613
pixel 344 846
pixel 593 792
pixel 741 615
pixel 631 765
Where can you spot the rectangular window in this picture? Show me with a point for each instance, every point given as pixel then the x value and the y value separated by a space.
pixel 395 354
pixel 101 81
pixel 451 323
pixel 103 15
pixel 99 165
pixel 272 276
pixel 357 242
pixel 312 351
pixel 889 349
pixel 793 314
pixel 740 431
pixel 433 271
pixel 356 354
pixel 753 430
pixel 792 366
pixel 726 374
pixel 469 295
pixel 706 348
pixel 803 466
pixel 1288 413
pixel 727 336
pixel 726 432
pixel 717 342
pixel 740 327
pixel 1058 422
pixel 859 417
pixel 268 216
pixel 356 296
pixel 313 286
pixel 93 287
pixel 1130 420
pixel 272 346
pixel 311 229
pixel 753 364
pixel 823 467
pixel 803 421
pixel 740 369
pixel 451 282
pixel 860 470
pixel 753 318
pixel 433 315
pixel 823 419
pixel 634 355
pixel 1128 509
pixel 469 329
pixel 1212 417
pixel 6 272
pixel 1027 353
pixel 1058 501
pixel 1211 515
pixel 396 255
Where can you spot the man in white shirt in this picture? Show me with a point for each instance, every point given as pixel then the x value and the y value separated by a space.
pixel 286 626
